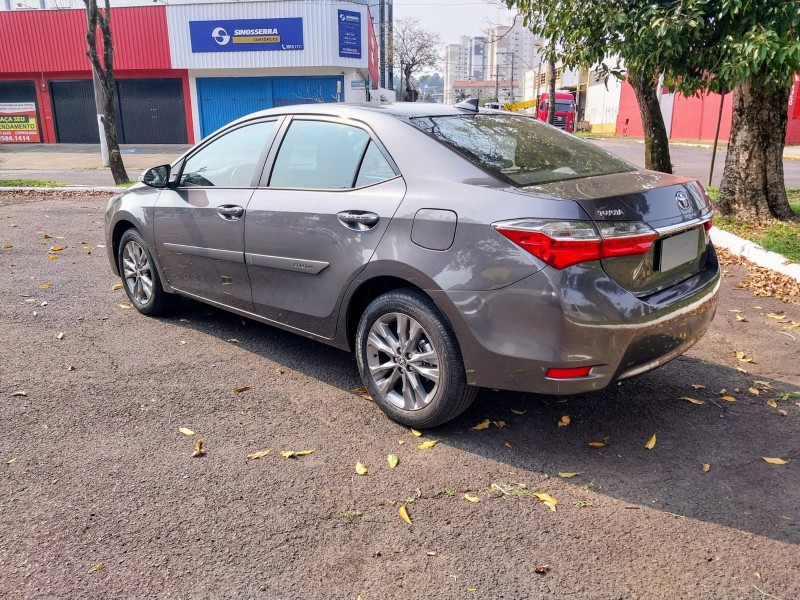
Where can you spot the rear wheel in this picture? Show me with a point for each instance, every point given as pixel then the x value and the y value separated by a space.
pixel 140 276
pixel 409 360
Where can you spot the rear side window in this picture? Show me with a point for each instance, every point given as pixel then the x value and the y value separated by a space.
pixel 319 155
pixel 374 168
pixel 521 150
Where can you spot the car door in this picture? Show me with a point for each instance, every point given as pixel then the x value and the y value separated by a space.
pixel 198 224
pixel 316 219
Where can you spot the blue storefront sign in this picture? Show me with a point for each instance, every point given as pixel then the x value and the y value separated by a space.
pixel 349 34
pixel 246 35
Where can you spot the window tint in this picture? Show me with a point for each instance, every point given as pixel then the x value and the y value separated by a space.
pixel 228 161
pixel 319 154
pixel 521 150
pixel 564 106
pixel 374 168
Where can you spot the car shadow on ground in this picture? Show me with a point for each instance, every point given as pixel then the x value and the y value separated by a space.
pixel 740 490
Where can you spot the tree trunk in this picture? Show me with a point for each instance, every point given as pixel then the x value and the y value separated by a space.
pixel 110 126
pixel 551 89
pixel 753 188
pixel 656 143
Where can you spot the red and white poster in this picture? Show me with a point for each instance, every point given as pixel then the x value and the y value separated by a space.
pixel 18 122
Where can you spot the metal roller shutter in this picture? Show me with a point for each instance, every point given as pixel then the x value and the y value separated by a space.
pixel 151 111
pixel 74 112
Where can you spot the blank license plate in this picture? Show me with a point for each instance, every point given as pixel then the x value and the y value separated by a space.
pixel 679 249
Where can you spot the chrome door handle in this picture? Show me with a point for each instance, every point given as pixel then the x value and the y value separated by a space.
pixel 358 220
pixel 230 212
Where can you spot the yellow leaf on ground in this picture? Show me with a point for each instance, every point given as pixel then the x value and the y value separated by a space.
pixel 741 318
pixel 88 248
pixel 244 388
pixel 416 433
pixel 185 431
pixel 8 246
pixel 259 454
pixel 728 398
pixel 775 461
pixel 116 286
pixel 19 393
pixel 427 445
pixel 234 341
pixel 56 248
pixel 740 369
pixel 706 467
pixel 541 569
pixel 392 460
pixel 517 412
pixel 743 357
pixel 754 391
pixel 125 306
pixel 45 286
pixel 565 420
pixel 568 475
pixel 47 236
pixel 651 442
pixel 547 499
pixel 361 468
pixel 403 512
pixel 692 400
pixel 95 568
pixel 294 454
pixel 52 256
pixel 367 397
pixel 698 386
pixel 771 402
pixel 597 444
pixel 499 424
pixel 776 316
pixel 482 425
pixel 60 335
pixel 794 325
pixel 198 449
pixel 759 307
pixel 472 499
pixel 11 461
pixel 361 390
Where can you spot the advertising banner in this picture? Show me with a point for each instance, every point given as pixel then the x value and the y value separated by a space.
pixel 18 122
pixel 246 35
pixel 349 34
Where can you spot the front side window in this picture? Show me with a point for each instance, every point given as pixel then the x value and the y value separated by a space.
pixel 520 150
pixel 229 161
pixel 319 155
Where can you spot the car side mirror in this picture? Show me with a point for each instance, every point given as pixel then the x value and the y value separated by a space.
pixel 157 177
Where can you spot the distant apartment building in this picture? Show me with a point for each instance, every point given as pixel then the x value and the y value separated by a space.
pixel 464 61
pixel 511 50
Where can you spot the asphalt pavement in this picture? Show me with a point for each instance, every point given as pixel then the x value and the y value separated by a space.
pixel 101 497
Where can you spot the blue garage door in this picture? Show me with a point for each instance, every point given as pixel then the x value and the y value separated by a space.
pixel 224 99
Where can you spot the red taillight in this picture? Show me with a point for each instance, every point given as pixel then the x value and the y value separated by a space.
pixel 570 373
pixel 708 224
pixel 565 243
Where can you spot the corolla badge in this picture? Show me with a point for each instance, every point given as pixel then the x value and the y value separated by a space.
pixel 683 200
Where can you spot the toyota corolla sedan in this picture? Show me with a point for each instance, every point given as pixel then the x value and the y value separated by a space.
pixel 450 248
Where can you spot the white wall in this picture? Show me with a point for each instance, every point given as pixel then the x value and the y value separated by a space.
pixel 602 105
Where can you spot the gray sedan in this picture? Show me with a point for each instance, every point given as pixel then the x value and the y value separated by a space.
pixel 448 247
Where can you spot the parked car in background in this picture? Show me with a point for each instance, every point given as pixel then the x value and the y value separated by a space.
pixel 449 248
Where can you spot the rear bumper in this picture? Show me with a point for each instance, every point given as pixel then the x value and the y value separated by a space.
pixel 576 317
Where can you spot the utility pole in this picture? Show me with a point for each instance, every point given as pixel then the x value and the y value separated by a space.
pixel 511 83
pixel 512 77
pixel 497 82
pixel 98 103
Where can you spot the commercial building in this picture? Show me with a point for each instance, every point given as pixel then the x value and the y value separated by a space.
pixel 465 60
pixel 182 70
pixel 511 50
pixel 484 90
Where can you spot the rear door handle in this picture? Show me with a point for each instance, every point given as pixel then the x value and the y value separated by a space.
pixel 229 212
pixel 358 220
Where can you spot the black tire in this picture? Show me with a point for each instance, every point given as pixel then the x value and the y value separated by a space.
pixel 158 301
pixel 450 397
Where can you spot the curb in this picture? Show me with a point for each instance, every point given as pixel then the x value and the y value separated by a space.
pixel 755 253
pixel 72 188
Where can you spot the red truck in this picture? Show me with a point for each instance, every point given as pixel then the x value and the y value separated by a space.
pixel 565 110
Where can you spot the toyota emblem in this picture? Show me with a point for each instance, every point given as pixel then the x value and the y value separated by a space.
pixel 683 201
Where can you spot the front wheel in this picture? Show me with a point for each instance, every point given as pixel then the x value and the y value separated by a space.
pixel 409 360
pixel 140 276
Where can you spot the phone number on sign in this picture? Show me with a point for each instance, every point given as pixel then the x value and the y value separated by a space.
pixel 16 138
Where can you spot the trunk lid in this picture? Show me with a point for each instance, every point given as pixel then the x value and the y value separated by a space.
pixel 675 207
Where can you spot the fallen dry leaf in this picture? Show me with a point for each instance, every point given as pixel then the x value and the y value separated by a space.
pixel 759 307
pixel 506 444
pixel 499 424
pixel 698 386
pixel 743 357
pixel 692 400
pixel 482 425
pixel 259 454
pixel 741 318
pixel 234 341
pixel 60 335
pixel 403 512
pixel 47 236
pixel 8 246
pixel 243 388
pixel 728 398
pixel 565 420
pixel 361 468
pixel 541 569
pixel 775 461
pixel 392 460
pixel 473 499
pixel 740 369
pixel 125 306
pixel 776 316
pixel 95 568
pixel 771 402
pixel 19 393
pixel 547 499
pixel 597 444
pixel 360 390
pixel 706 467
pixel 651 442
pixel 11 461
pixel 198 449
pixel 45 286
pixel 367 397
pixel 56 248
pixel 52 256
pixel 517 412
pixel 295 454
pixel 568 475
pixel 754 391
pixel 416 433
pixel 427 445
pixel 185 431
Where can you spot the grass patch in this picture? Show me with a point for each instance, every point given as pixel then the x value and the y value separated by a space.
pixel 783 238
pixel 125 184
pixel 31 183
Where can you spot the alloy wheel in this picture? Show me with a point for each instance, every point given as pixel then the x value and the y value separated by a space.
pixel 137 271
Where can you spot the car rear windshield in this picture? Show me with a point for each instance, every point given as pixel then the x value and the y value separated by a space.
pixel 521 150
